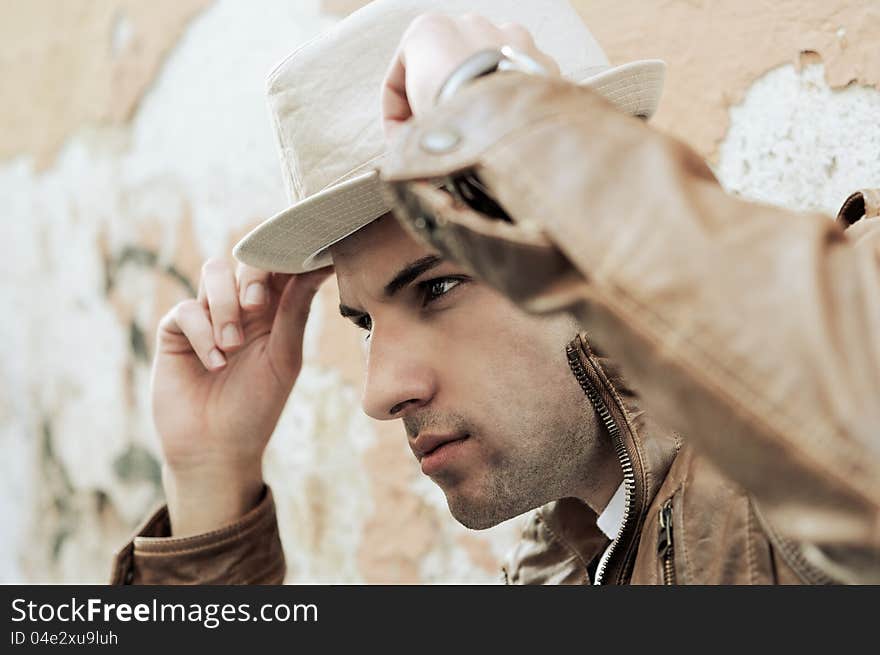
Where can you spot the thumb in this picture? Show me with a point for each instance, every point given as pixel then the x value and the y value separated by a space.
pixel 288 326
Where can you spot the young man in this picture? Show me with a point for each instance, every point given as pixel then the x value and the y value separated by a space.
pixel 611 228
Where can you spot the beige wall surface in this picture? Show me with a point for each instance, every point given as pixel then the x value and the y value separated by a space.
pixel 136 143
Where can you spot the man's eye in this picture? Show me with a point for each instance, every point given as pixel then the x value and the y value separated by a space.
pixel 364 322
pixel 433 289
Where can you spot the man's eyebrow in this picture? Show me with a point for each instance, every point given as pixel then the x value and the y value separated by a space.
pixel 410 272
pixel 403 277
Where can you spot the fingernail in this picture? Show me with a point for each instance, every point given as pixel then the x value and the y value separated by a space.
pixel 255 294
pixel 216 359
pixel 230 335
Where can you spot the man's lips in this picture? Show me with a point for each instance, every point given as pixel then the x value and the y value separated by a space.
pixel 438 452
pixel 425 444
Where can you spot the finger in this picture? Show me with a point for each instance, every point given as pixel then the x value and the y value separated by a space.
pixel 278 281
pixel 477 23
pixel 480 31
pixel 427 38
pixel 395 105
pixel 549 63
pixel 518 36
pixel 190 320
pixel 222 301
pixel 285 341
pixel 253 290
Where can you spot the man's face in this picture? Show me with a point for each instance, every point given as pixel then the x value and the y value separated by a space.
pixel 489 403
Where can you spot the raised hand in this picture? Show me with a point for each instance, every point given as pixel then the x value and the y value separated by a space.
pixel 225 364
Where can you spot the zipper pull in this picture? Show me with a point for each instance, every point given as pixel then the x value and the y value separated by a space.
pixel 664 537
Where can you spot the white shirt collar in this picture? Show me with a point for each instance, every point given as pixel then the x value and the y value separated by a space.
pixel 611 518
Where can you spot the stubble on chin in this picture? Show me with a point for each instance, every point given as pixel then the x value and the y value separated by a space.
pixel 483 501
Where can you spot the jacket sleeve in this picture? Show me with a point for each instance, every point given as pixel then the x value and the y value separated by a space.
pixel 752 330
pixel 245 552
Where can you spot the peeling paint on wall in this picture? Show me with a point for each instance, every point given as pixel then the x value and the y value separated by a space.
pixel 82 62
pixel 716 50
pixel 796 142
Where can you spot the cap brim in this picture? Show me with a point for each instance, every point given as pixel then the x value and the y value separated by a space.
pixel 297 239
pixel 634 88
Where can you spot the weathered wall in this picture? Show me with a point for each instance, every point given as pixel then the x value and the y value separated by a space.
pixel 137 143
pixel 93 59
pixel 718 48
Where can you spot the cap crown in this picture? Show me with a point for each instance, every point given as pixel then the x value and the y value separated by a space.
pixel 325 96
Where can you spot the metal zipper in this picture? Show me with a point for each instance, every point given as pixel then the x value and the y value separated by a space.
pixel 629 478
pixel 789 551
pixel 665 545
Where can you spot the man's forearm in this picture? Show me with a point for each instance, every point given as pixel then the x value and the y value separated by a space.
pixel 202 500
pixel 750 329
pixel 244 551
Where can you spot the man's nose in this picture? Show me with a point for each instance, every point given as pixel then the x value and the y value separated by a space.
pixel 399 377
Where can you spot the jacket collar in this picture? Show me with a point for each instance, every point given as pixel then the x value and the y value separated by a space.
pixel 645 451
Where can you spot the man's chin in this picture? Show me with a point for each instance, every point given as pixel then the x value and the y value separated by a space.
pixel 477 515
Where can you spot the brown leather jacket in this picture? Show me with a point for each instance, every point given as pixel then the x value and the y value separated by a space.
pixel 751 331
